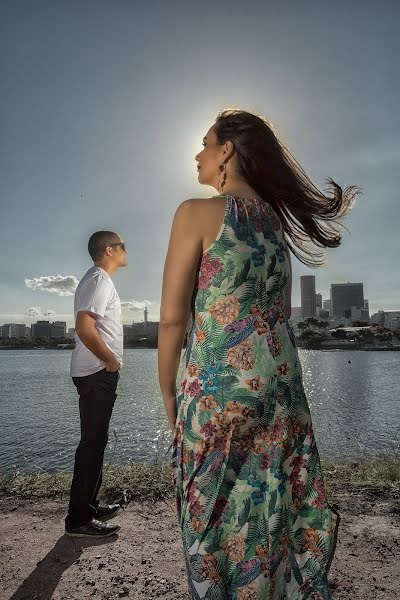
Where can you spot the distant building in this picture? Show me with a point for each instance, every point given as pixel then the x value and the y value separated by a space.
pixel 17 330
pixel 322 313
pixel 71 333
pixel 5 331
pixel 13 330
pixel 296 312
pixel 58 329
pixel 327 305
pixel 344 296
pixel 378 318
pixel 387 318
pixel 28 331
pixel 149 328
pixel 318 301
pixel 392 319
pixel 307 293
pixel 41 329
pixel 359 313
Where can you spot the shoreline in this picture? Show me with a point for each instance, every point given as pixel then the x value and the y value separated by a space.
pixel 152 481
pixel 154 347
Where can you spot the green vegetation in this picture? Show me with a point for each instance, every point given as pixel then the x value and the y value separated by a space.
pixel 134 481
pixel 381 472
pixel 137 481
pixel 132 341
pixel 30 343
pixel 314 333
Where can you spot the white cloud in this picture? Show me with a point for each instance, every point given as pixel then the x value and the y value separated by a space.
pixel 36 312
pixel 136 304
pixel 55 284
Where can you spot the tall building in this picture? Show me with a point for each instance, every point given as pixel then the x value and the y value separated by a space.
pixel 307 293
pixel 41 329
pixel 13 330
pixel 17 330
pixel 344 296
pixel 5 330
pixel 318 301
pixel 145 319
pixel 58 329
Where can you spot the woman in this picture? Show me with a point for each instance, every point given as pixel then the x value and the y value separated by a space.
pixel 249 488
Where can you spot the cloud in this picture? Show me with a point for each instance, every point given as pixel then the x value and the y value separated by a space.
pixel 35 311
pixel 136 304
pixel 55 284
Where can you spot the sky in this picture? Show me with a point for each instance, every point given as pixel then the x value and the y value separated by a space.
pixel 103 106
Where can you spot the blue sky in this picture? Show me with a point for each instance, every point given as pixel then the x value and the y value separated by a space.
pixel 103 106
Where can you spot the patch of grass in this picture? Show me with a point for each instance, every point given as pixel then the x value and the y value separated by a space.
pixel 139 481
pixel 135 481
pixel 35 485
pixel 380 472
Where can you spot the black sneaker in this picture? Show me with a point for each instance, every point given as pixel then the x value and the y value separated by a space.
pixel 107 511
pixel 93 529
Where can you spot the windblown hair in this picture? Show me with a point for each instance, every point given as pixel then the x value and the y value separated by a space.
pixel 99 241
pixel 275 175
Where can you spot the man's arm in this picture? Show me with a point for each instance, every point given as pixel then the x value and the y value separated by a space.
pixel 85 328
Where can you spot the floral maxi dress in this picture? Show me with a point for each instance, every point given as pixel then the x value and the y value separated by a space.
pixel 250 493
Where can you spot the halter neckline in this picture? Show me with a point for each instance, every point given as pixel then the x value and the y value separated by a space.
pixel 240 197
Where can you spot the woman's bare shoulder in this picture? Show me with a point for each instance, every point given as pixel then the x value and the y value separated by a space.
pixel 198 203
pixel 194 208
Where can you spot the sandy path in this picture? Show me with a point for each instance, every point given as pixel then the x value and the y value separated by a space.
pixel 145 561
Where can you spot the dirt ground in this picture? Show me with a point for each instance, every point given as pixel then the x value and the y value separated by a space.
pixel 145 561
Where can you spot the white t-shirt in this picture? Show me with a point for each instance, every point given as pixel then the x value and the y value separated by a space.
pixel 96 293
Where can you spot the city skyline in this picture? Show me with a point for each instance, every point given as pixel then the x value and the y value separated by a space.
pixel 313 311
pixel 102 133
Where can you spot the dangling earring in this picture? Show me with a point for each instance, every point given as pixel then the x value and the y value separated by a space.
pixel 222 168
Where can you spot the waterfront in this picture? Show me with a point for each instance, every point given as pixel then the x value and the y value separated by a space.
pixel 355 407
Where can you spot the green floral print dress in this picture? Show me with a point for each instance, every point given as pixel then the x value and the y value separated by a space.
pixel 255 521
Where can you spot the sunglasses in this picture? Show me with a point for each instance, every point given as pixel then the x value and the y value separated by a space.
pixel 122 244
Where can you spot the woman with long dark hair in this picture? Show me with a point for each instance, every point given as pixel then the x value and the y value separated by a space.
pixel 250 493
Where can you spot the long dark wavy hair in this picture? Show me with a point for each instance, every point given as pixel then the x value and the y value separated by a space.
pixel 274 174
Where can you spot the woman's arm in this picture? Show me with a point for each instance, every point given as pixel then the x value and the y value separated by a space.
pixel 181 263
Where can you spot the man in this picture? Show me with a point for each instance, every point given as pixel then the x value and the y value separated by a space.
pixel 95 363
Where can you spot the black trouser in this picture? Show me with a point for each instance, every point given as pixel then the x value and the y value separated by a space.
pixel 96 401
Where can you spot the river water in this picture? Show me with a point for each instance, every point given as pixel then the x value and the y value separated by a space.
pixel 355 407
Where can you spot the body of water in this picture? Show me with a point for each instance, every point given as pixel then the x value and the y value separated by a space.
pixel 355 407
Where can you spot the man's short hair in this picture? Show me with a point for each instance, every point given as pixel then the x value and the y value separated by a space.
pixel 99 241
